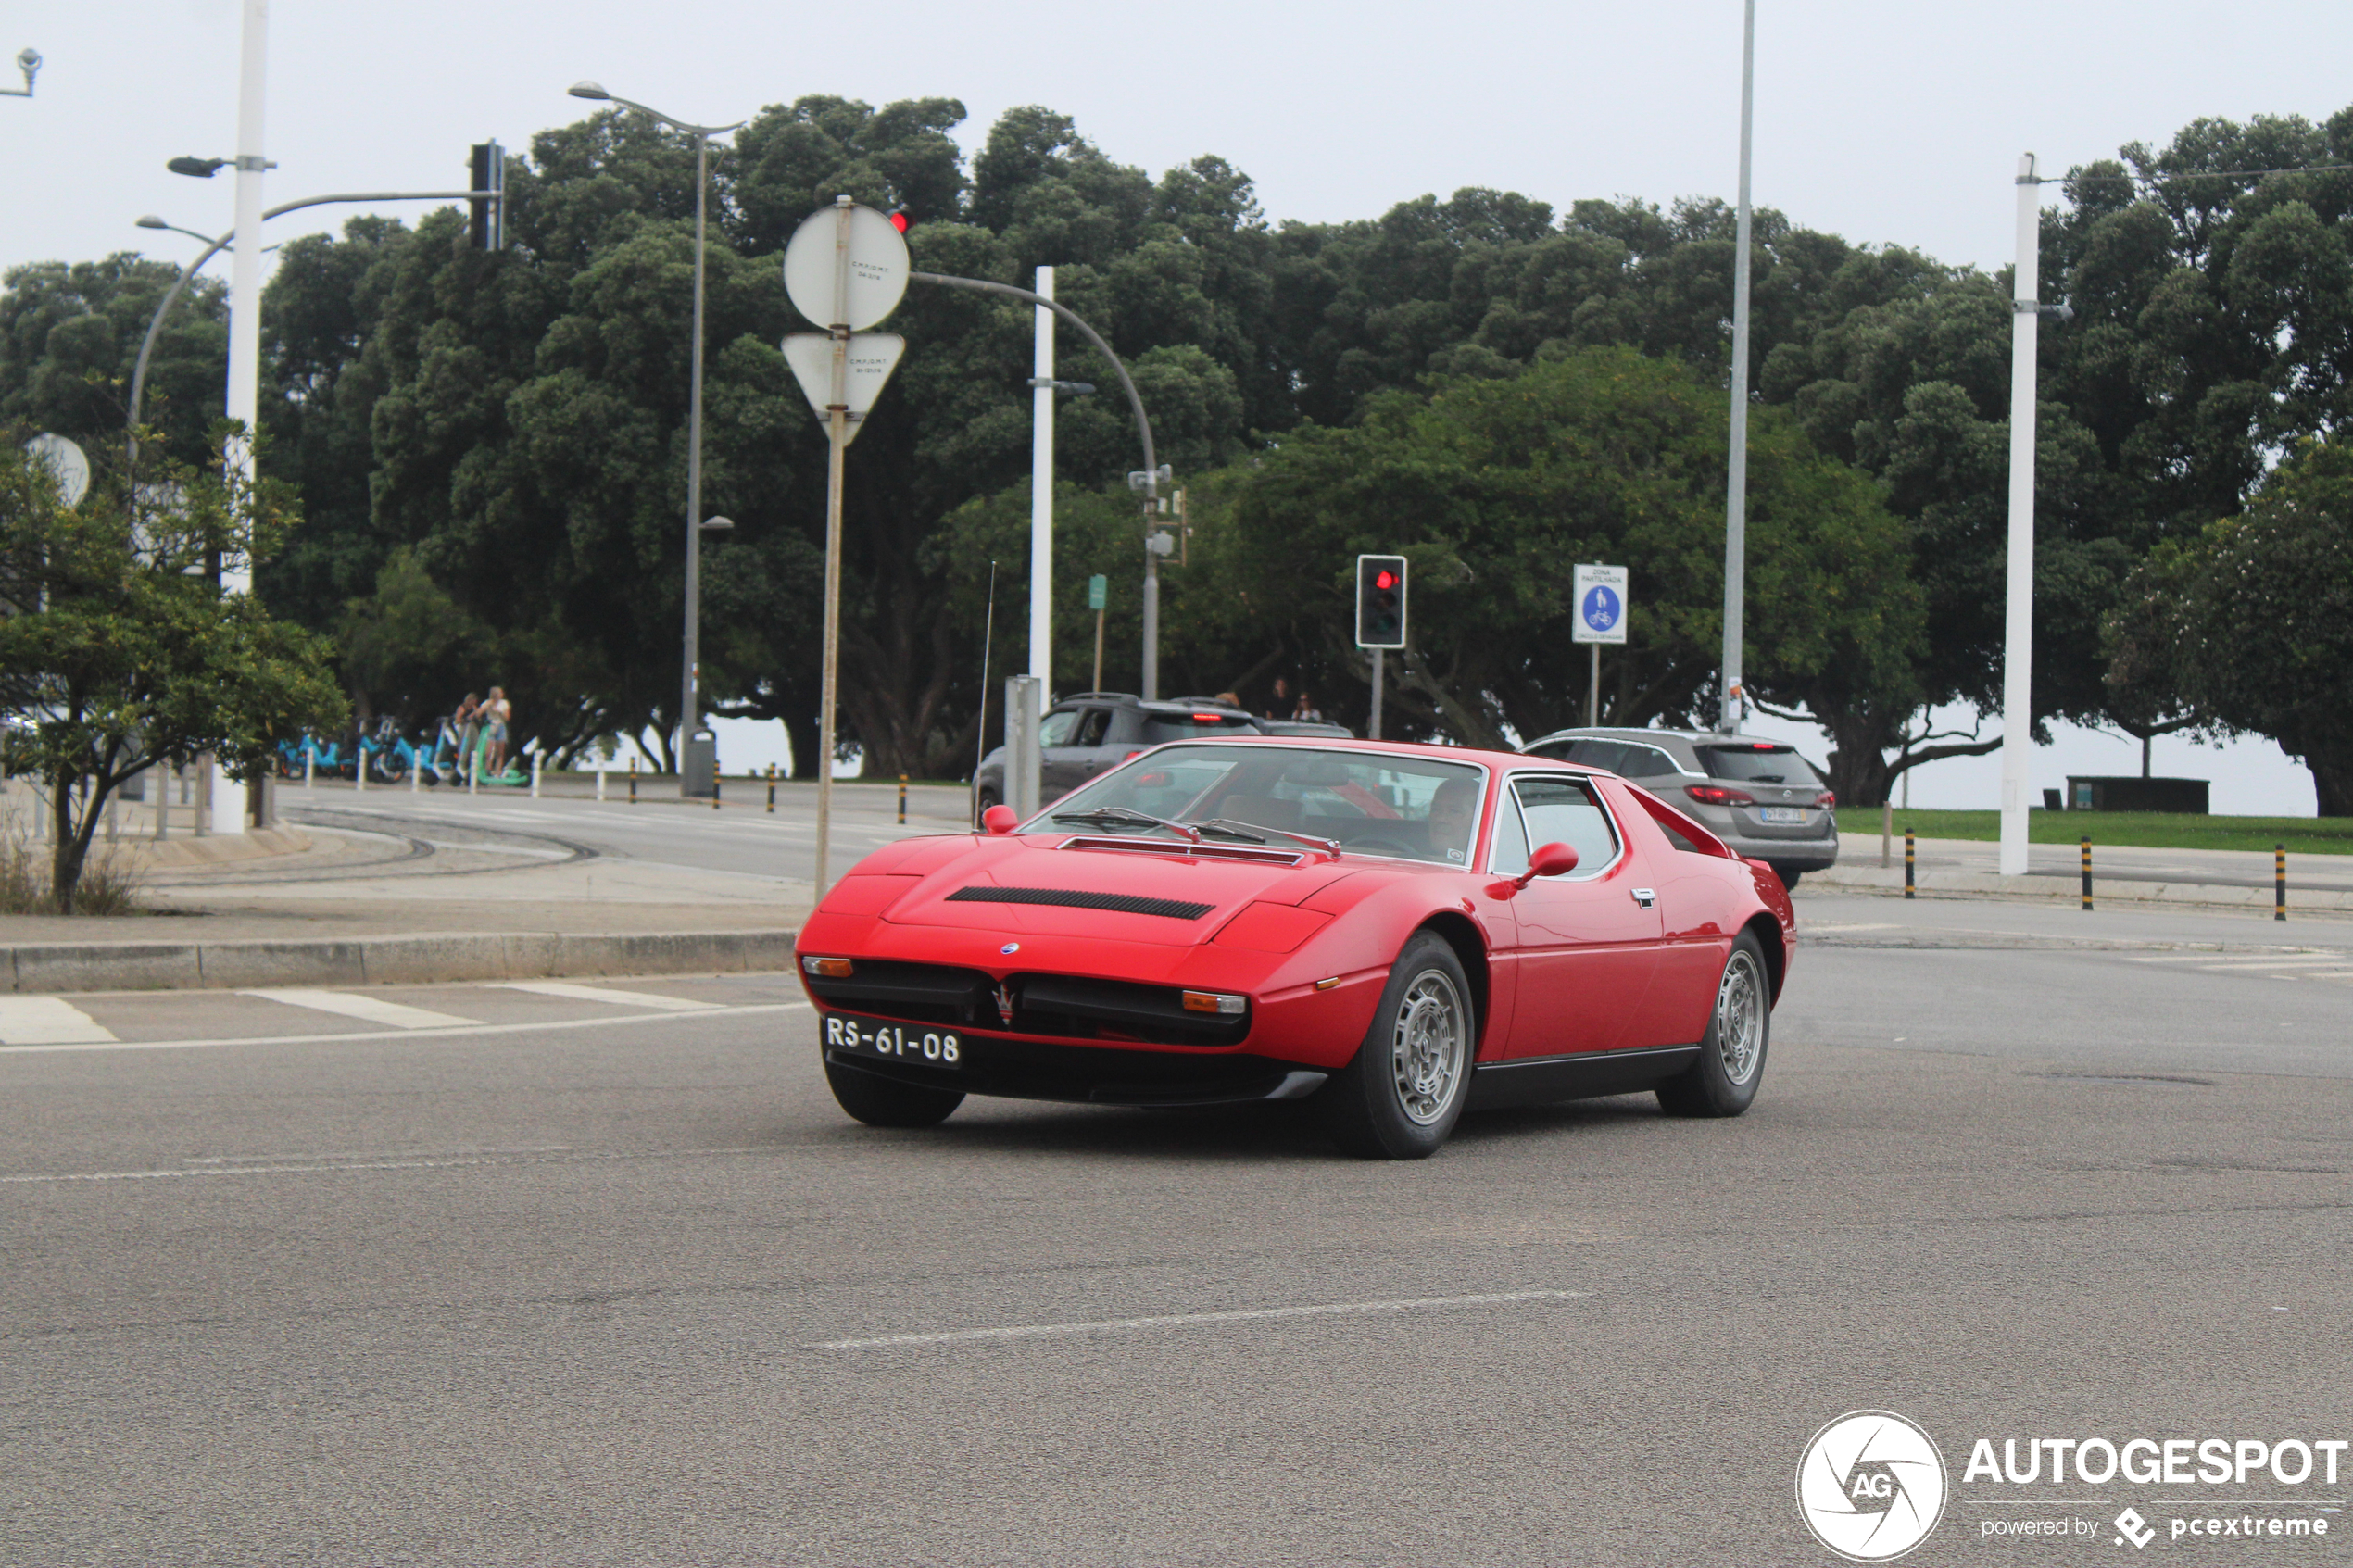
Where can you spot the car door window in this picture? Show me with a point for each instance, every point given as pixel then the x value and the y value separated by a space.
pixel 1056 727
pixel 1644 763
pixel 1093 727
pixel 1561 810
pixel 1602 754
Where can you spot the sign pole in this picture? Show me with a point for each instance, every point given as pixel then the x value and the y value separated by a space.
pixel 1593 697
pixel 838 445
pixel 1601 618
pixel 1380 659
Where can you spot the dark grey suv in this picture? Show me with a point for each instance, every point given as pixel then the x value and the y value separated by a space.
pixel 1083 735
pixel 1759 796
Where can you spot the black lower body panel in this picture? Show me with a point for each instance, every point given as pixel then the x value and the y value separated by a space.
pixel 1033 1070
pixel 1586 1075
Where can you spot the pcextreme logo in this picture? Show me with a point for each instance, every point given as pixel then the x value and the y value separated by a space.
pixel 1870 1485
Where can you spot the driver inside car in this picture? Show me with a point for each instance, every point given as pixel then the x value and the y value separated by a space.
pixel 1452 819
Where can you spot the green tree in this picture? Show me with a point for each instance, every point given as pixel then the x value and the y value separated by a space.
pixel 2251 627
pixel 122 651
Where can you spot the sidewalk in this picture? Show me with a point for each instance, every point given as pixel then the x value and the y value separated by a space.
pixel 2317 884
pixel 351 909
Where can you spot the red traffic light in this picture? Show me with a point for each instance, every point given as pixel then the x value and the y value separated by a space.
pixel 1384 579
pixel 900 220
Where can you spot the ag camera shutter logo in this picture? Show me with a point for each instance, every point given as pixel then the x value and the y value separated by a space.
pixel 1871 1486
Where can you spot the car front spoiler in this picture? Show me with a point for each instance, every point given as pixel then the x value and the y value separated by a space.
pixel 1096 1077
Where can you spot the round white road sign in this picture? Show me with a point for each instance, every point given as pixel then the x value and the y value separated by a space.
pixel 878 272
pixel 67 462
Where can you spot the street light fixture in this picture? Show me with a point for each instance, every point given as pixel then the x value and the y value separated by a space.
pixel 27 62
pixel 199 168
pixel 152 222
pixel 690 677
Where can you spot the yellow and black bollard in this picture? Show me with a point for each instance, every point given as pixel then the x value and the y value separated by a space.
pixel 1911 855
pixel 2279 882
pixel 902 800
pixel 771 790
pixel 714 789
pixel 632 781
pixel 2087 870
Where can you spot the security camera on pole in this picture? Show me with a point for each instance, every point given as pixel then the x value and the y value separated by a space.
pixel 1601 618
pixel 845 267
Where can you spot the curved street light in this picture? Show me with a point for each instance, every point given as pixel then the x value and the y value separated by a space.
pixel 213 248
pixel 689 704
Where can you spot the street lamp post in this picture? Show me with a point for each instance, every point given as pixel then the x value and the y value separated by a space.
pixel 214 247
pixel 688 697
pixel 1736 464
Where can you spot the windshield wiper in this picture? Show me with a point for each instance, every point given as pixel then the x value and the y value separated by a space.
pixel 1229 827
pixel 1107 816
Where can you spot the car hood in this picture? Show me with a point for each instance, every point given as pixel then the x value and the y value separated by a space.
pixel 1076 885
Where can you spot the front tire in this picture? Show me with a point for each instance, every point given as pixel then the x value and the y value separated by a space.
pixel 1401 1097
pixel 884 1102
pixel 982 800
pixel 1732 1058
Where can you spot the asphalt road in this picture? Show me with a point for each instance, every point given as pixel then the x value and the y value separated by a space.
pixel 546 1278
pixel 740 837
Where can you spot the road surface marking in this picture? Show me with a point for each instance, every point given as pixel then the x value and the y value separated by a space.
pixel 597 994
pixel 571 1024
pixel 47 1020
pixel 1181 1320
pixel 368 1009
pixel 297 1167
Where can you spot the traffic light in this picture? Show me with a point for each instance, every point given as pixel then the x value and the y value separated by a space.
pixel 488 229
pixel 1380 601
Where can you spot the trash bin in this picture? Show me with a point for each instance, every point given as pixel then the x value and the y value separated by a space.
pixel 702 765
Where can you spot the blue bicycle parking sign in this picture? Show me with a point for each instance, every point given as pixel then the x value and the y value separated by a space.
pixel 1601 605
pixel 1601 608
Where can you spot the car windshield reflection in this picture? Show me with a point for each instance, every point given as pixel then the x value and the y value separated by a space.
pixel 1366 803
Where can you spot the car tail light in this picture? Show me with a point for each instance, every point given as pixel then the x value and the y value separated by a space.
pixel 1827 797
pixel 1716 794
pixel 1131 756
pixel 828 969
pixel 1216 1001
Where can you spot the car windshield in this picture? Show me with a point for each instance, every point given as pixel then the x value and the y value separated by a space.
pixel 1371 803
pixel 1757 762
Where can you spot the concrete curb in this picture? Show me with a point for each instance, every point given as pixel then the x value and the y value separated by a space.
pixel 1941 883
pixel 387 960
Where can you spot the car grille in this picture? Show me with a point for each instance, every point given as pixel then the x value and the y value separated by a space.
pixel 920 993
pixel 1057 1006
pixel 1122 903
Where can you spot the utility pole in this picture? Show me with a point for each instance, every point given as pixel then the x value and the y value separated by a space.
pixel 1042 489
pixel 2017 623
pixel 1736 479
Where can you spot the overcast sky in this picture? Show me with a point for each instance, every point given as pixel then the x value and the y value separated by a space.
pixel 1892 122
pixel 1881 122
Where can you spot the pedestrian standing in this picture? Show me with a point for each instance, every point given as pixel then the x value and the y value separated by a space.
pixel 496 713
pixel 1280 707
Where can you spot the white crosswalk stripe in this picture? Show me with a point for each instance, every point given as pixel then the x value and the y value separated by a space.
pixel 600 993
pixel 47 1020
pixel 368 1009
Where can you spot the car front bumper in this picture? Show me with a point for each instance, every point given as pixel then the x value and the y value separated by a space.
pixel 1019 1069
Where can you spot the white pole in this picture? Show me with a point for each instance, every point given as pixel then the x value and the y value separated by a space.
pixel 1041 493
pixel 416 774
pixel 1736 478
pixel 600 774
pixel 534 775
pixel 837 446
pixel 244 332
pixel 310 764
pixel 2017 627
pixel 360 767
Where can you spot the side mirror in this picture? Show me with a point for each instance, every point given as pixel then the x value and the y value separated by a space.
pixel 1550 860
pixel 999 819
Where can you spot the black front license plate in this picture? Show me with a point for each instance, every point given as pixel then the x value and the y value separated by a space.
pixel 892 1042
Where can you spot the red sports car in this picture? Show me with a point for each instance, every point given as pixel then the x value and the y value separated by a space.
pixel 1401 932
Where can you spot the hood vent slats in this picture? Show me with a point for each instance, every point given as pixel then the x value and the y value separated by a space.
pixel 1120 903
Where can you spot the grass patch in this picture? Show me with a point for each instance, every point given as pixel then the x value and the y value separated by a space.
pixel 109 883
pixel 2151 830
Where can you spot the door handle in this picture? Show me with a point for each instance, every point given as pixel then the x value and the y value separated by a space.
pixel 1647 898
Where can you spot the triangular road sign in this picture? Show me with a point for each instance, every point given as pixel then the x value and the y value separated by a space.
pixel 873 356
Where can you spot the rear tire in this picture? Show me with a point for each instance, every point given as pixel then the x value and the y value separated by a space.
pixel 1401 1097
pixel 1732 1058
pixel 982 801
pixel 1789 875
pixel 883 1102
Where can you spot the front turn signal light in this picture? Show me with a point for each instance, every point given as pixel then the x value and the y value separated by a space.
pixel 827 969
pixel 1216 1001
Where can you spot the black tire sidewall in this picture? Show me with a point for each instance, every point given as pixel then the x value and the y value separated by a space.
pixel 1364 1114
pixel 1704 1088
